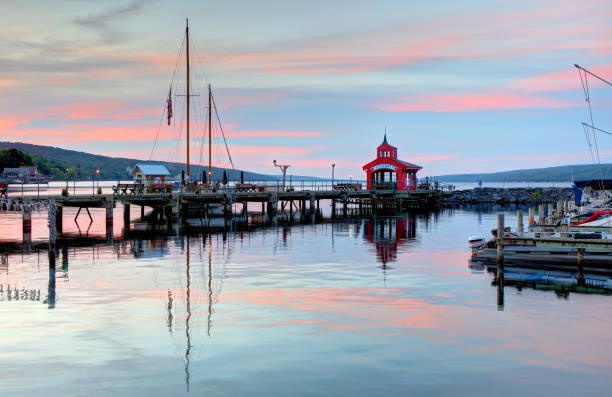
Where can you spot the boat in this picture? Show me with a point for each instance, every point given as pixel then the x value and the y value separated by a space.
pixel 189 183
pixel 589 248
pixel 597 219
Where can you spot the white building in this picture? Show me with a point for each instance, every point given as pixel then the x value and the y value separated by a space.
pixel 149 174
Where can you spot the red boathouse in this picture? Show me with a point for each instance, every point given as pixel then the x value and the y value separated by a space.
pixel 387 172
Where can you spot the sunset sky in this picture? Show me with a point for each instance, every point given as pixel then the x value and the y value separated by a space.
pixel 462 86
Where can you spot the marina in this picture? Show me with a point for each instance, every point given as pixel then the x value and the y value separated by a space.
pixel 305 199
pixel 382 294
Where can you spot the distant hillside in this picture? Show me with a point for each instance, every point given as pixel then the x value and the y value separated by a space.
pixel 565 173
pixel 84 165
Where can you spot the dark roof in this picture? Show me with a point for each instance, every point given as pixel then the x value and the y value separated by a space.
pixel 408 165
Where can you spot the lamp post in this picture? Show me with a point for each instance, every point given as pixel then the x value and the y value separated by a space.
pixel 333 166
pixel 98 178
pixel 67 169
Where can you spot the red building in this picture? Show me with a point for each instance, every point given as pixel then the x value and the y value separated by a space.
pixel 387 172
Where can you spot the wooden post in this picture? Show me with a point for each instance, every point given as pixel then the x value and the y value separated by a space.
pixel 345 208
pixel 168 216
pixel 541 213
pixel 560 212
pixel 27 230
pixel 141 211
pixel 333 214
pixel 59 217
pixel 500 238
pixel 500 288
pixel 51 285
pixel 245 212
pixel 551 212
pixel 126 216
pixel 580 252
pixel 500 261
pixel 519 214
pixel 263 208
pixel 109 222
pixel 531 216
pixel 312 209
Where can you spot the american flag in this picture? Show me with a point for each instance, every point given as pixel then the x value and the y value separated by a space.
pixel 169 105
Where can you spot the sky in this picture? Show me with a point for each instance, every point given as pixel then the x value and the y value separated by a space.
pixel 460 87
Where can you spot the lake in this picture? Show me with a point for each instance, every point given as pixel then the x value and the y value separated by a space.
pixel 364 306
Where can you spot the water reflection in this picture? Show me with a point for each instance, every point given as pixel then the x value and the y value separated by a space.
pixel 387 234
pixel 285 297
pixel 562 280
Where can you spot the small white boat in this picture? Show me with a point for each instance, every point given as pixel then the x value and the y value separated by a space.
pixel 476 242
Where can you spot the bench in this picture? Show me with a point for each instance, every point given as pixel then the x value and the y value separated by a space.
pixel 128 189
pixel 247 187
pixel 346 187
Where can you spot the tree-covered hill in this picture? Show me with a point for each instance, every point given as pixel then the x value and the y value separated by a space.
pixel 57 162
pixel 566 173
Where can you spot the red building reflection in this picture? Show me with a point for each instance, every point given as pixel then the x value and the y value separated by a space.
pixel 389 233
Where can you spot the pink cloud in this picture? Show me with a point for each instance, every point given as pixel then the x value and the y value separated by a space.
pixel 105 109
pixel 244 134
pixel 10 121
pixel 471 102
pixel 559 81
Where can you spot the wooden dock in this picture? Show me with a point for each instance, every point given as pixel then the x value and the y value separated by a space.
pixel 226 204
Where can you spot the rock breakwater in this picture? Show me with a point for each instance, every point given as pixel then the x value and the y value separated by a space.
pixel 511 195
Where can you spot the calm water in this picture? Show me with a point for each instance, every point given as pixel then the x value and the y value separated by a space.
pixel 385 306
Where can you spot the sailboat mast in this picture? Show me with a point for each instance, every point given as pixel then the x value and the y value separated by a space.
pixel 187 56
pixel 209 134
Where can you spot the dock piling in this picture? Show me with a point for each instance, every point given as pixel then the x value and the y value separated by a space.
pixel 531 216
pixel 541 214
pixel 519 228
pixel 27 229
pixel 500 238
pixel 551 213
pixel 109 221
pixel 126 216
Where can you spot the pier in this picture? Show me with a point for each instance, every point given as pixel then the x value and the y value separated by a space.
pixel 299 202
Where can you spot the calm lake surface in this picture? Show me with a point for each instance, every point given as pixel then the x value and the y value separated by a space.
pixel 379 306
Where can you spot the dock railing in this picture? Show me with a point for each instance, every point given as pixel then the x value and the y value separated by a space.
pixel 106 187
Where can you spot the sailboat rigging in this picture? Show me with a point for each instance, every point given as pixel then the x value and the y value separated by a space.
pixel 190 183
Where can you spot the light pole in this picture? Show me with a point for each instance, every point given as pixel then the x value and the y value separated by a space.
pixel 98 178
pixel 333 166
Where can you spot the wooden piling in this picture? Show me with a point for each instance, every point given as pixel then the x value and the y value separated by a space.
pixel 109 222
pixel 560 209
pixel 500 238
pixel 551 212
pixel 519 215
pixel 59 217
pixel 531 216
pixel 141 211
pixel 27 230
pixel 541 213
pixel 126 216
